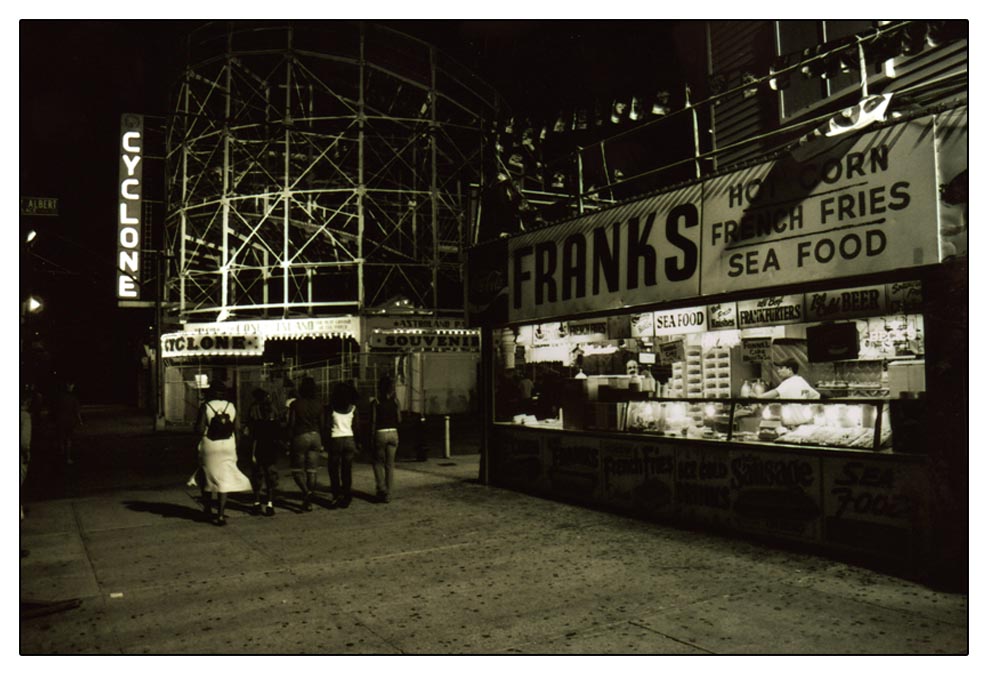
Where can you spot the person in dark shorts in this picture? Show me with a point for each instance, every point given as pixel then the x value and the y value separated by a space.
pixel 305 420
pixel 262 432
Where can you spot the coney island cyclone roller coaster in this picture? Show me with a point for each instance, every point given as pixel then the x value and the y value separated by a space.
pixel 317 168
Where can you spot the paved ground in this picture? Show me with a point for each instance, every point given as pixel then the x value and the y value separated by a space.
pixel 449 567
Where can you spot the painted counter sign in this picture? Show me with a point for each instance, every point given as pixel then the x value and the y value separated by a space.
pixel 771 311
pixel 188 344
pixel 637 476
pixel 865 301
pixel 862 204
pixel 635 254
pixel 519 462
pixel 575 462
pixel 684 320
pixel 701 488
pixel 874 506
pixel 776 493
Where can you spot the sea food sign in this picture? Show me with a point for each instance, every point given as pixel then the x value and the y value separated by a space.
pixel 843 207
pixel 131 144
pixel 859 205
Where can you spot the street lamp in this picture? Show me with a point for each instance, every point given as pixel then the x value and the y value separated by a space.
pixel 33 305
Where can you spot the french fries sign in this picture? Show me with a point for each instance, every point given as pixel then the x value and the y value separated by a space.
pixel 837 208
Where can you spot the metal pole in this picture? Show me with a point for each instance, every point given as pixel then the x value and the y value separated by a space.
pixel 863 70
pixel 580 181
pixel 159 367
pixel 697 144
pixel 446 436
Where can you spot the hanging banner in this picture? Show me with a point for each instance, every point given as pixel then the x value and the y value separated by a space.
pixel 305 327
pixel 862 204
pixel 189 344
pixel 771 311
pixel 420 333
pixel 635 254
pixel 130 146
pixel 864 301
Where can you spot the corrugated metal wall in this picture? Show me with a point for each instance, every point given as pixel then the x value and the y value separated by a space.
pixel 739 47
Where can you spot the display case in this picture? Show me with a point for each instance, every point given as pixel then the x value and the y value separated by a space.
pixel 849 424
pixel 843 424
pixel 681 418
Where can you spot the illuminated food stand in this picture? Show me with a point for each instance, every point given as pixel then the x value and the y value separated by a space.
pixel 652 333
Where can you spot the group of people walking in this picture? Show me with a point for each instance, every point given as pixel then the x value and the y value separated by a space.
pixel 308 427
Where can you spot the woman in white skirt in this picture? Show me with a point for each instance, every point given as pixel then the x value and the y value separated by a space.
pixel 218 452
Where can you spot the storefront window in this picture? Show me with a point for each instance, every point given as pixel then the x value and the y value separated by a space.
pixel 701 373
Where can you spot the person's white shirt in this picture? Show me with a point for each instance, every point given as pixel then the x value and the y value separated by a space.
pixel 795 387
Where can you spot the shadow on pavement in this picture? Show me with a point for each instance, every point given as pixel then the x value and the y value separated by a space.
pixel 166 510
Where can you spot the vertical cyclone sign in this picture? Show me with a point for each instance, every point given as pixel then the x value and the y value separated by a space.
pixel 129 208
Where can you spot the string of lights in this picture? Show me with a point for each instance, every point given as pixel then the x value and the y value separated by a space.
pixel 519 147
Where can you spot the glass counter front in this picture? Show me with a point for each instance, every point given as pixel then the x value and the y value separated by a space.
pixel 852 424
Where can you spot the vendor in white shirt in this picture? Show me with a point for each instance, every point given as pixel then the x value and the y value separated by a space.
pixel 792 386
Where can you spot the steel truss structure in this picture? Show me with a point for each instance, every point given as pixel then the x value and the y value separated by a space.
pixel 318 168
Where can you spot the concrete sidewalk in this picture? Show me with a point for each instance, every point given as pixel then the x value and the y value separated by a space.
pixel 449 567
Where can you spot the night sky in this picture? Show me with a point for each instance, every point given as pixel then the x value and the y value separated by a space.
pixel 77 77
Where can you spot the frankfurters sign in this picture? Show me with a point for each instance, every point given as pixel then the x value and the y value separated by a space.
pixel 860 205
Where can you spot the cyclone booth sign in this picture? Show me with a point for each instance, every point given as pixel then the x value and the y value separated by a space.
pixel 129 208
